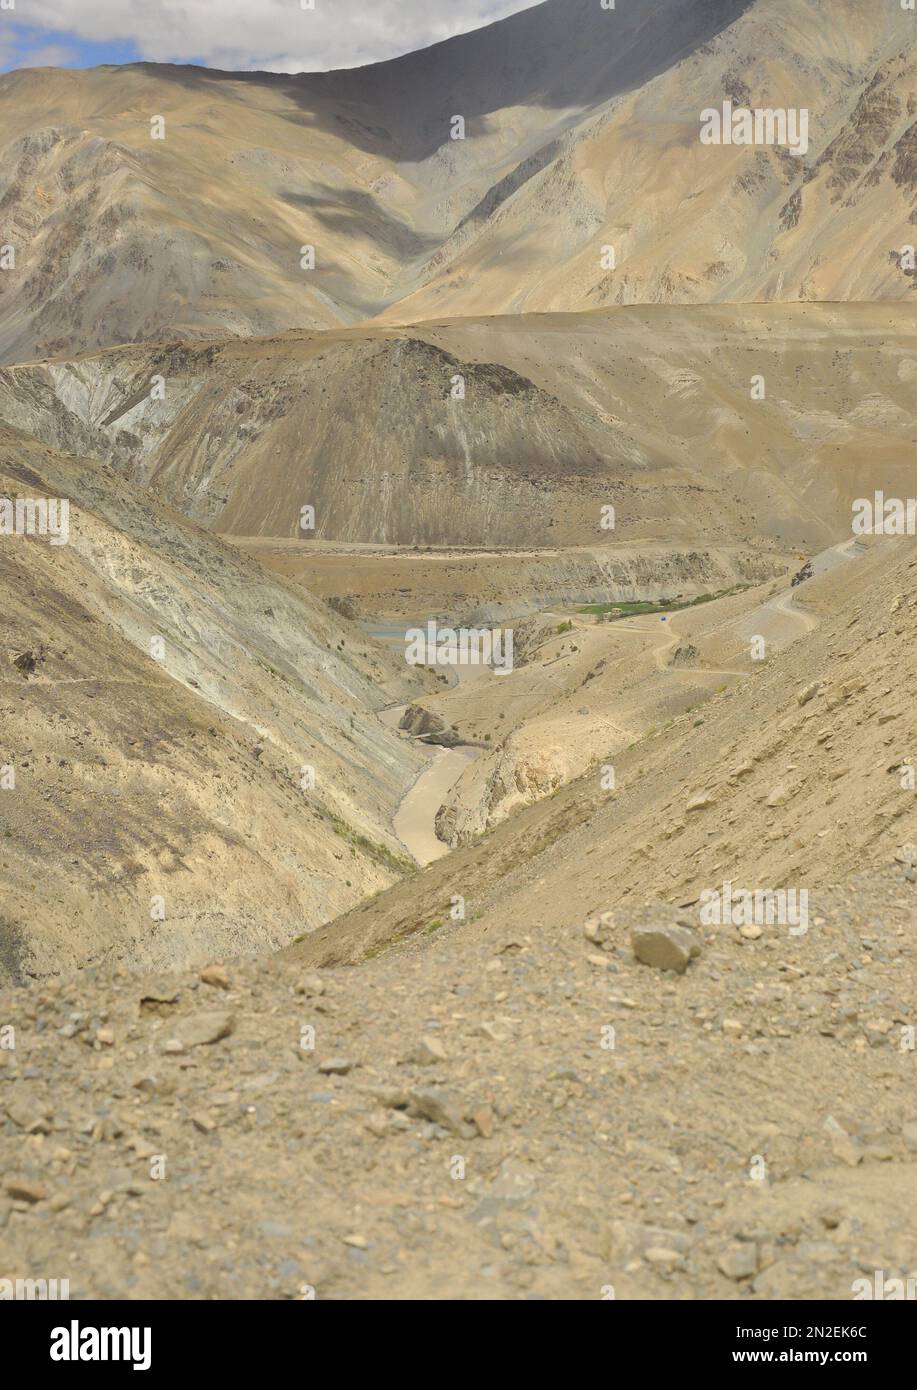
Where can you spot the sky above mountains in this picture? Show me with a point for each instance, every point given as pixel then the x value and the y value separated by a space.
pixel 275 35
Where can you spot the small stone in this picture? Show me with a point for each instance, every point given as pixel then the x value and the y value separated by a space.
pixel 310 984
pixel 439 1106
pixel 877 1030
pixel 24 1190
pixel 216 975
pixel 483 1120
pixel 357 1241
pixel 391 1097
pixel 808 693
pixel 661 1257
pixel 778 796
pixel 907 854
pixel 34 1119
pixel 377 1123
pixel 159 993
pixel 741 1262
pixel 428 1052
pixel 335 1066
pixel 732 1028
pixel 701 801
pixel 598 928
pixel 844 1149
pixel 751 931
pixel 210 1026
pixel 105 1036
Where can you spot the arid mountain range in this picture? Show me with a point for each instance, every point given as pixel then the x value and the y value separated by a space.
pixel 314 920
pixel 581 133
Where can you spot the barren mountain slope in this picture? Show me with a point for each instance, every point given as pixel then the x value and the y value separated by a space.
pixel 121 236
pixel 582 132
pixel 694 223
pixel 792 792
pixel 649 410
pixel 507 1107
pixel 181 775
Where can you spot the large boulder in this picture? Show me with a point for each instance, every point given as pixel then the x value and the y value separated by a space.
pixel 659 939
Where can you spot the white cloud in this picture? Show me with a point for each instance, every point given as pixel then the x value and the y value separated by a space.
pixel 273 34
pixel 46 55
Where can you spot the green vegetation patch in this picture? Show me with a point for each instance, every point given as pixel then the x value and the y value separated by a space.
pixel 624 608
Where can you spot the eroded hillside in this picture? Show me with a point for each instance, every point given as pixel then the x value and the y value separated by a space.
pixel 699 427
pixel 162 698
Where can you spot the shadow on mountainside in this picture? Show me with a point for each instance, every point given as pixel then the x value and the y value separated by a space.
pixel 560 55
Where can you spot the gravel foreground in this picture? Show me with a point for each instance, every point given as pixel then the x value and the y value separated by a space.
pixel 524 1116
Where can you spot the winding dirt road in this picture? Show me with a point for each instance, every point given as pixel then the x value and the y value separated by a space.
pixel 415 818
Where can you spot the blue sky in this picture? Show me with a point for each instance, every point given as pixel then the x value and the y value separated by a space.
pixel 22 47
pixel 278 35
